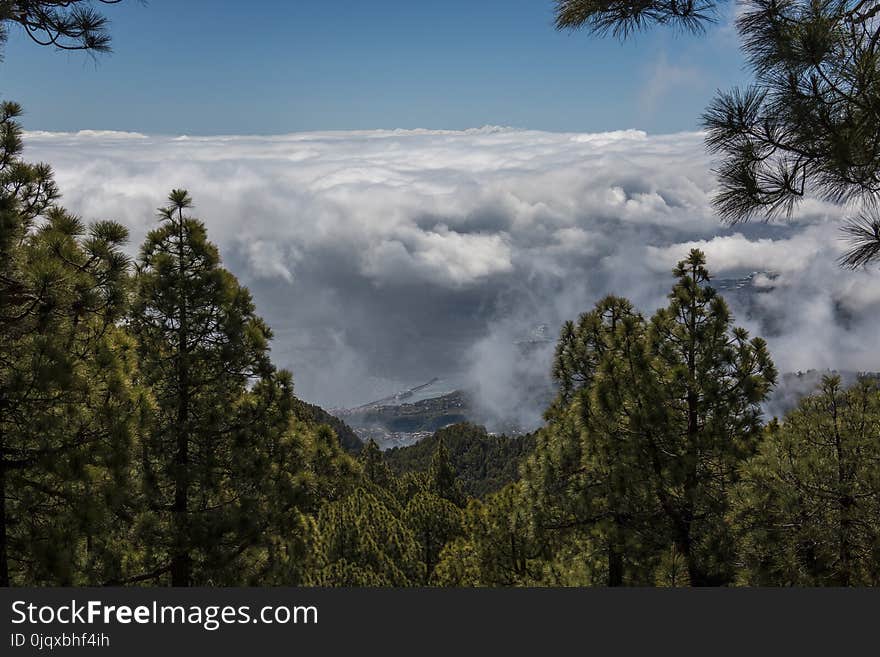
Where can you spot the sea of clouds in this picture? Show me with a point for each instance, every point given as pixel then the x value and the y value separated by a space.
pixel 385 258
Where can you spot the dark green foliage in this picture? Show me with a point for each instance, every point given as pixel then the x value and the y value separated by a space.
pixel 230 472
pixel 498 547
pixel 201 348
pixel 317 415
pixel 375 470
pixel 434 521
pixel 809 121
pixel 807 508
pixel 362 541
pixel 482 462
pixel 644 439
pixel 710 381
pixel 624 17
pixel 61 24
pixel 442 479
pixel 67 402
pixel 590 499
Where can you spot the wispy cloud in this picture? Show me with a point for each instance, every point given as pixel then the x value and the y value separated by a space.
pixel 666 78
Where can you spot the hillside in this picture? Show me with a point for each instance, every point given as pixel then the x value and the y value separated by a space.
pixel 312 413
pixel 397 425
pixel 483 462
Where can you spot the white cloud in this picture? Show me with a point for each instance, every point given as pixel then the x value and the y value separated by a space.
pixel 385 258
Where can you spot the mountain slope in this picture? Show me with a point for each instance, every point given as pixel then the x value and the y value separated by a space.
pixel 483 462
pixel 312 413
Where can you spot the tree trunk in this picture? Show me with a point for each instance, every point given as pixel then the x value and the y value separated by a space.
pixel 615 564
pixel 844 504
pixel 181 563
pixel 696 574
pixel 845 546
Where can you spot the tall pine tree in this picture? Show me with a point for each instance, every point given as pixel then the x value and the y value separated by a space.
pixel 66 398
pixel 699 415
pixel 201 346
pixel 645 437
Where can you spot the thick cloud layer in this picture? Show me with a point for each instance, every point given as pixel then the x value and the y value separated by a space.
pixel 383 259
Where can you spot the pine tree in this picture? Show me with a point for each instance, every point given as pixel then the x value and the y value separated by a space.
pixel 700 415
pixel 807 125
pixel 587 486
pixel 200 345
pixel 60 24
pixel 645 437
pixel 362 541
pixel 807 508
pixel 332 472
pixel 498 547
pixel 286 470
pixel 66 397
pixel 624 17
pixel 434 521
pixel 373 465
pixel 442 477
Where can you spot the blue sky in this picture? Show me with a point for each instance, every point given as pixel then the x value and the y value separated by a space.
pixel 271 66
